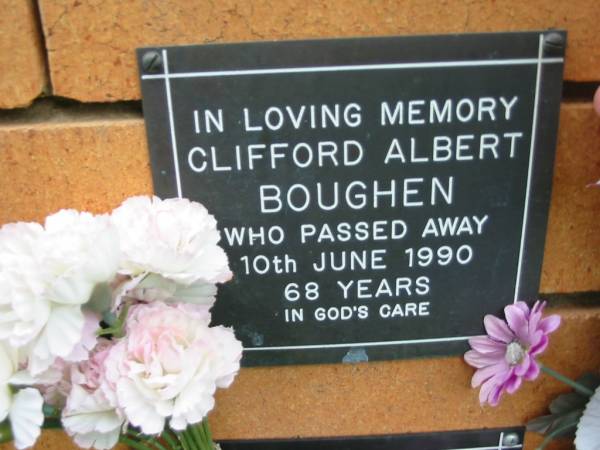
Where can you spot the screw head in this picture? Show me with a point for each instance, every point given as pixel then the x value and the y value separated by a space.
pixel 510 439
pixel 554 43
pixel 152 62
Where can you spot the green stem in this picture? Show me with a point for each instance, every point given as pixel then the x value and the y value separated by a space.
pixel 51 424
pixel 184 441
pixel 133 443
pixel 203 431
pixel 108 331
pixel 149 441
pixel 193 438
pixel 117 329
pixel 5 432
pixel 156 443
pixel 577 386
pixel 170 440
pixel 50 412
pixel 199 438
pixel 554 434
pixel 207 432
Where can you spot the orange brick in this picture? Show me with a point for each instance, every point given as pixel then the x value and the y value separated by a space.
pixel 22 63
pixel 91 44
pixel 572 254
pixel 88 165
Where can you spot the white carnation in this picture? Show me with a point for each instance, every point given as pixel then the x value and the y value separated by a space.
pixel 170 364
pixel 46 275
pixel 24 408
pixel 588 429
pixel 24 310
pixel 175 238
pixel 91 415
pixel 91 419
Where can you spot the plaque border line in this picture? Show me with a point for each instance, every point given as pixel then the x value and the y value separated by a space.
pixel 353 68
pixel 171 121
pixel 539 61
pixel 534 126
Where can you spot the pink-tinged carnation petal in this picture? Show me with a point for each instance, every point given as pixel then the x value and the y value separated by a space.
pixel 479 360
pixel 484 344
pixel 497 329
pixel 169 365
pixel 484 374
pixel 533 372
pixel 540 347
pixel 522 368
pixel 550 324
pixel 517 321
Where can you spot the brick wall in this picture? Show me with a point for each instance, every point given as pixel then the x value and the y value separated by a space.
pixel 72 135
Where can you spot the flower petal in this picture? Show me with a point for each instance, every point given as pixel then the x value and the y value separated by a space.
pixel 137 409
pixel 513 383
pixel 486 389
pixel 5 400
pixel 535 317
pixel 588 429
pixel 495 395
pixel 484 344
pixel 26 417
pixel 517 321
pixel 538 307
pixel 484 374
pixel 522 368
pixel 89 412
pixel 540 346
pixel 497 329
pixel 523 307
pixel 550 324
pixel 492 390
pixel 59 337
pixel 533 372
pixel 100 441
pixel 72 289
pixel 88 339
pixel 479 360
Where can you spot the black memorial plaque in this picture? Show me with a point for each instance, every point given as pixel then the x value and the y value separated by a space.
pixel 496 439
pixel 376 197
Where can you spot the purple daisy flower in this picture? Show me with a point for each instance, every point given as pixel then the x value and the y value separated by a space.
pixel 507 354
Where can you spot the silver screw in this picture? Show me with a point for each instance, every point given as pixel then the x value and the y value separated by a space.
pixel 152 62
pixel 554 39
pixel 510 439
pixel 554 44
